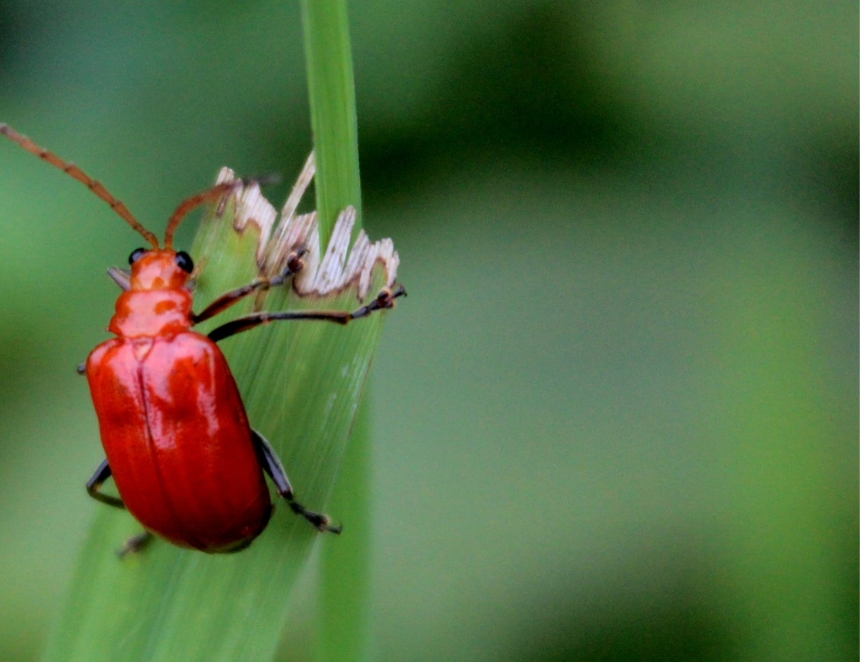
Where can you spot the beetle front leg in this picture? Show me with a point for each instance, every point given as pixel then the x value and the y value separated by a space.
pixel 270 463
pixel 294 265
pixel 94 484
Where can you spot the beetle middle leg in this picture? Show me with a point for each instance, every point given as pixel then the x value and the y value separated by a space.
pixel 272 465
pixel 385 299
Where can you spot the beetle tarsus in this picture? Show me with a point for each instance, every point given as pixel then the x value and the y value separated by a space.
pixel 294 261
pixel 294 265
pixel 320 521
pixel 268 459
pixel 134 544
pixel 383 301
pixel 262 180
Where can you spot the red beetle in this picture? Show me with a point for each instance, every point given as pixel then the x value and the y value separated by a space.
pixel 177 440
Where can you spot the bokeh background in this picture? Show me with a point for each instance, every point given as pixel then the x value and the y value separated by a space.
pixel 616 418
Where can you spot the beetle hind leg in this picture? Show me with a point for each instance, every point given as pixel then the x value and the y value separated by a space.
pixel 94 486
pixel 272 466
pixel 320 521
pixel 134 544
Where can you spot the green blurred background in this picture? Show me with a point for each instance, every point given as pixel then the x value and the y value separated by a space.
pixel 616 418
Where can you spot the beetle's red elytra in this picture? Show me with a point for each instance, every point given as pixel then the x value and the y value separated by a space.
pixel 178 444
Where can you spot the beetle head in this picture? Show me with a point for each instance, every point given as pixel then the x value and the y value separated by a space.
pixel 159 269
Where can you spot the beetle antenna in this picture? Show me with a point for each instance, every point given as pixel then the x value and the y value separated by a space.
pixel 74 171
pixel 193 202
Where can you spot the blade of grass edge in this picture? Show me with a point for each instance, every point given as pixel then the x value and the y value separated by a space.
pixel 331 90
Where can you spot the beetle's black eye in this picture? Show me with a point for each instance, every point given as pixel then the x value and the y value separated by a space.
pixel 136 255
pixel 184 261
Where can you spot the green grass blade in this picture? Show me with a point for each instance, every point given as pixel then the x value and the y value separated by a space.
pixel 344 569
pixel 333 119
pixel 301 383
